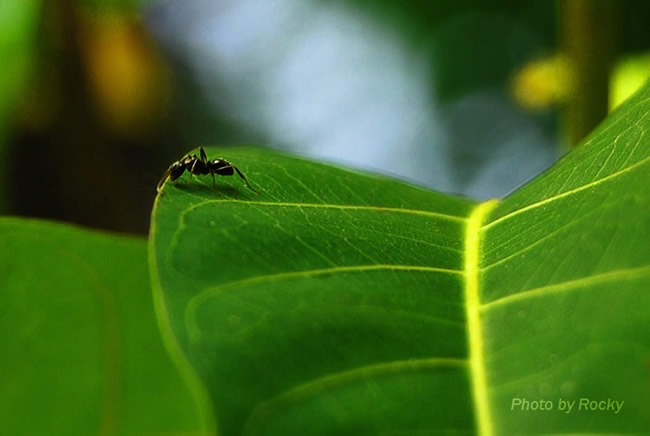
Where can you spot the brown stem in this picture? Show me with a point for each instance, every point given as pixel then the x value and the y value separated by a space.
pixel 588 35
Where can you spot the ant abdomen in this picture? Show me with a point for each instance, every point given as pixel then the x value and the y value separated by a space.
pixel 222 167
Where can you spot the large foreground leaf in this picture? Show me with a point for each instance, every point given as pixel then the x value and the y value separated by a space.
pixel 81 352
pixel 336 302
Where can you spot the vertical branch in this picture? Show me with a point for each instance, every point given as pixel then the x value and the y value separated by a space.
pixel 588 29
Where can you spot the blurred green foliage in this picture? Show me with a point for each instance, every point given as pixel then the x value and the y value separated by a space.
pixel 82 353
pixel 18 30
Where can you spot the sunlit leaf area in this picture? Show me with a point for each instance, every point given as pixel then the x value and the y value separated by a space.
pixel 300 217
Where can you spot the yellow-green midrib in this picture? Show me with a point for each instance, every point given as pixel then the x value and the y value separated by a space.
pixel 472 247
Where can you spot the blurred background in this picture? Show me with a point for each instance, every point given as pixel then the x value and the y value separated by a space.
pixel 98 97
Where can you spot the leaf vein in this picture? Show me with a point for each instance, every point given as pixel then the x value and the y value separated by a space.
pixel 198 299
pixel 332 206
pixel 566 193
pixel 266 409
pixel 577 284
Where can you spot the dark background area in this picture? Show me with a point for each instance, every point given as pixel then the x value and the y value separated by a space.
pixel 97 98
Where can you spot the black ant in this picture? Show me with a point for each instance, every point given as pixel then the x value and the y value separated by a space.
pixel 201 166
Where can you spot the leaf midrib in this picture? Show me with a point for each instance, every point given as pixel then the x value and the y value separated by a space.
pixel 473 233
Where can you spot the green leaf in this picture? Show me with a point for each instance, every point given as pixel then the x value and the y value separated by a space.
pixel 342 303
pixel 565 281
pixel 81 349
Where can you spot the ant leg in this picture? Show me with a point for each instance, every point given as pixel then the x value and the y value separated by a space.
pixel 204 159
pixel 191 170
pixel 244 179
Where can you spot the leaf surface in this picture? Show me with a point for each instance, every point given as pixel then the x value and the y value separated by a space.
pixel 340 302
pixel 81 350
pixel 565 281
